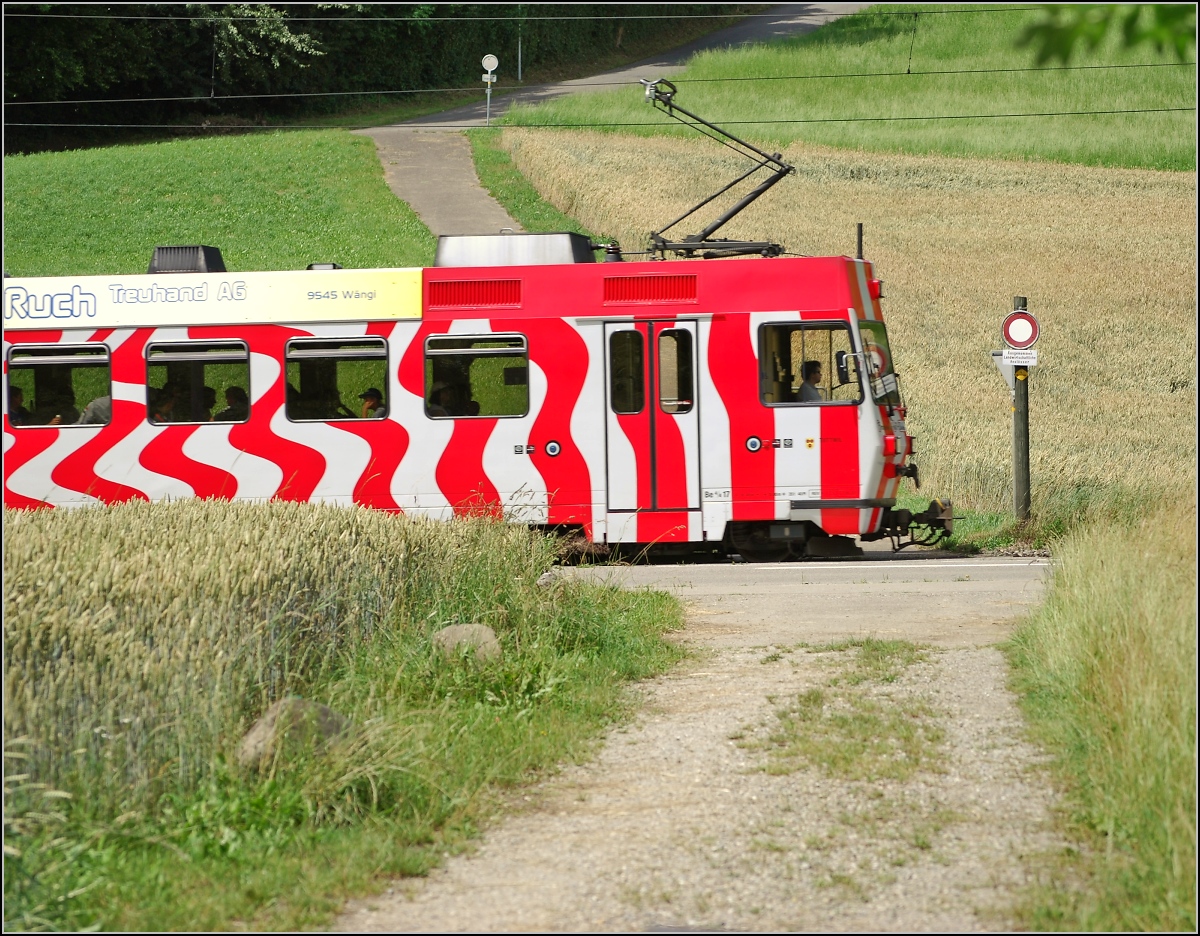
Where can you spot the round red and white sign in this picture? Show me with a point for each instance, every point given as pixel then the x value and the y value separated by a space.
pixel 1020 330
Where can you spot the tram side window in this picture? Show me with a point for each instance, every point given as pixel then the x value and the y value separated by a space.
pixel 675 370
pixel 59 385
pixel 798 364
pixel 627 389
pixel 198 382
pixel 334 379
pixel 483 375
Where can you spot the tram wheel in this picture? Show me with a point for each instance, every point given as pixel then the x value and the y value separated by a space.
pixel 754 543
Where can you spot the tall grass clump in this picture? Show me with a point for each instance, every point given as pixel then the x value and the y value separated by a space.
pixel 270 201
pixel 919 80
pixel 141 641
pixel 1107 673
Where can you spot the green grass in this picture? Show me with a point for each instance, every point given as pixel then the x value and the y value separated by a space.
pixel 507 185
pixel 851 728
pixel 843 111
pixel 125 705
pixel 271 201
pixel 1106 670
pixel 1059 511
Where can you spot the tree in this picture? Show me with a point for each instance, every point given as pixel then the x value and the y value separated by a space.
pixel 57 52
pixel 1063 28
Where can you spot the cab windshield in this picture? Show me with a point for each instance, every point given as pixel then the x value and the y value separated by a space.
pixel 885 386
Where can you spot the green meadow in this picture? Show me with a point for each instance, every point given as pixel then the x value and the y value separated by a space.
pixel 270 201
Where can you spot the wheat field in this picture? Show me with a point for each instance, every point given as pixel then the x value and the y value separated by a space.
pixel 142 639
pixel 1106 258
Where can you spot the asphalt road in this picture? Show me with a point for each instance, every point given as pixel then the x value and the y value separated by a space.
pixel 779 22
pixel 924 597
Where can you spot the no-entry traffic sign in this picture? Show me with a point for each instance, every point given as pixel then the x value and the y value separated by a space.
pixel 1020 330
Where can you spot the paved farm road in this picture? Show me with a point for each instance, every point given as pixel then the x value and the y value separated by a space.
pixel 679 825
pixel 918 596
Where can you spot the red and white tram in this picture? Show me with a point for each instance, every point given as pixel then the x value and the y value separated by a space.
pixel 749 403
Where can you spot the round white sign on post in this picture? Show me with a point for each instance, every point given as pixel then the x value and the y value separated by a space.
pixel 1020 330
pixel 490 62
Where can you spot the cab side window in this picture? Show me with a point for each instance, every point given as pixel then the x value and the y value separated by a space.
pixel 807 363
pixel 59 385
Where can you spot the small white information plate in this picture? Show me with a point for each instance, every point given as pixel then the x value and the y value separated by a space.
pixel 1025 357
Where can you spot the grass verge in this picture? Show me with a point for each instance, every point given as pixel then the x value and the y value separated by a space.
pixel 133 670
pixel 1059 510
pixel 497 174
pixel 1106 670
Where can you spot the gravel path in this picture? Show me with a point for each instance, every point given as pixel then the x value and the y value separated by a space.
pixel 678 825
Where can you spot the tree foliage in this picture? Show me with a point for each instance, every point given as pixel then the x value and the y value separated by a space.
pixel 1165 27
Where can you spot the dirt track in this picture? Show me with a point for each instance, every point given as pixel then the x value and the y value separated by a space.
pixel 678 825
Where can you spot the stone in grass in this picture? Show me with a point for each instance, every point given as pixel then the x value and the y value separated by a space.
pixel 296 721
pixel 452 641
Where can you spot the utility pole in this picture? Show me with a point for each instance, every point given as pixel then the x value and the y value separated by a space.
pixel 1021 495
pixel 1020 331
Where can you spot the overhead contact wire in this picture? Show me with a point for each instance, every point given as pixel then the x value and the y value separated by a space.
pixel 592 84
pixel 601 126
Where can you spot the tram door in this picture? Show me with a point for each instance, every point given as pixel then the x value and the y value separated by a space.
pixel 653 418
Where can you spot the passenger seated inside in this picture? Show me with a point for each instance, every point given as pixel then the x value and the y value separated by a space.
pixel 162 404
pixel 237 405
pixel 372 407
pixel 59 410
pixel 97 413
pixel 472 408
pixel 17 414
pixel 454 399
pixel 210 404
pixel 809 389
pixel 439 399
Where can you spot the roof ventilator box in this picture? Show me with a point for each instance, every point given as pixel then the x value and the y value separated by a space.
pixel 481 250
pixel 195 259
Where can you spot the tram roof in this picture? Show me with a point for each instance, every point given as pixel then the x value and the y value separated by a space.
pixel 639 289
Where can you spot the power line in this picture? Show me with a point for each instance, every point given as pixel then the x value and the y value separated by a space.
pixel 484 19
pixel 598 126
pixel 239 97
pixel 947 71
pixel 592 84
